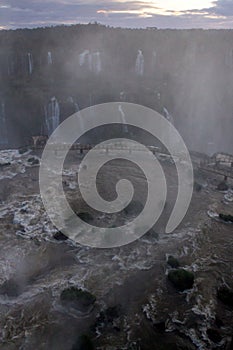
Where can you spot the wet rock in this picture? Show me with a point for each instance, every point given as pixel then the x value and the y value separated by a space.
pixel 19 227
pixel 84 342
pixel 11 288
pixel 173 262
pixel 87 217
pixel 151 235
pixel 219 323
pixel 181 279
pixel 197 187
pixel 59 236
pixel 231 344
pixel 3 165
pixel 225 295
pixel 222 186
pixel 134 208
pixel 110 314
pixel 226 218
pixel 160 326
pixel 214 335
pixel 23 150
pixel 77 298
pixel 107 317
pixel 33 161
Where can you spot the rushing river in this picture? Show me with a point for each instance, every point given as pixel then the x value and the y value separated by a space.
pixel 153 314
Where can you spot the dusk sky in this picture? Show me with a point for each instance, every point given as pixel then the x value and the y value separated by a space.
pixel 156 13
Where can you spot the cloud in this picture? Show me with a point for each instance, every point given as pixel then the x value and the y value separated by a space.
pixel 32 13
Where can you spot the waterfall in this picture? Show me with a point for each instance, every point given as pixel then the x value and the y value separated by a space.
pixel 168 116
pixel 96 63
pixel 30 63
pixel 83 56
pixel 229 58
pixel 125 127
pixel 52 115
pixel 49 58
pixel 154 58
pixel 3 126
pixel 93 60
pixel 10 65
pixel 139 67
pixel 77 109
pixel 122 96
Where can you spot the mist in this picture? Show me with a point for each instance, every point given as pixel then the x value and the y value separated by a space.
pixel 186 72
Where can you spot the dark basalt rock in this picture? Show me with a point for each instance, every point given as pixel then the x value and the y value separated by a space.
pixel 173 262
pixel 33 161
pixel 160 327
pixel 214 335
pixel 181 279
pixel 134 208
pixel 84 342
pixel 218 322
pixel 3 165
pixel 59 236
pixel 11 288
pixel 223 186
pixel 23 150
pixel 77 298
pixel 225 295
pixel 197 187
pixel 85 216
pixel 226 218
pixel 106 318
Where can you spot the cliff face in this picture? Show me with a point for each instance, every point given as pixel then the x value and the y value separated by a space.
pixel 48 74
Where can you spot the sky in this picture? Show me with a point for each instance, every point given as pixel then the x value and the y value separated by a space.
pixel 118 13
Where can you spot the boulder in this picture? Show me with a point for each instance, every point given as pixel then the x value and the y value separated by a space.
pixel 33 161
pixel 181 279
pixel 59 236
pixel 85 216
pixel 214 335
pixel 84 342
pixel 77 298
pixel 11 288
pixel 225 295
pixel 173 262
pixel 197 187
pixel 222 186
pixel 226 218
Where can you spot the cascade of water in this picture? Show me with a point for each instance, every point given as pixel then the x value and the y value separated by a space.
pixel 168 116
pixel 83 56
pixel 93 60
pixel 49 58
pixel 139 67
pixel 77 109
pixel 154 58
pixel 96 63
pixel 229 58
pixel 10 65
pixel 52 115
pixel 90 62
pixel 125 127
pixel 3 125
pixel 30 63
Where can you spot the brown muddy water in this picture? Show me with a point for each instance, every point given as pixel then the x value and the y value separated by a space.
pixel 151 313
